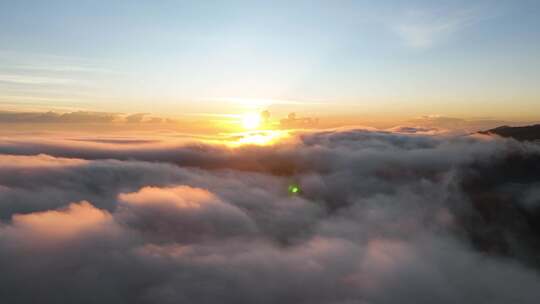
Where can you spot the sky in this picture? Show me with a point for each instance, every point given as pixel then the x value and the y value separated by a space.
pixel 382 60
pixel 149 152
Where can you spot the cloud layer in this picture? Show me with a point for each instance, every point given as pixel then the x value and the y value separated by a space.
pixel 382 218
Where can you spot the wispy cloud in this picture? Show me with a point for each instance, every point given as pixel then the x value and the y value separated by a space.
pixel 46 64
pixel 263 102
pixel 30 79
pixel 427 28
pixel 64 68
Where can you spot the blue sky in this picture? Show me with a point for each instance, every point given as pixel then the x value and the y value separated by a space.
pixel 454 58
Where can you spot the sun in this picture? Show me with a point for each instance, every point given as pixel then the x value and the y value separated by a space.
pixel 251 121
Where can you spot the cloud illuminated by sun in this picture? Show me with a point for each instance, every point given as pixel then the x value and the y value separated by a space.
pixel 258 138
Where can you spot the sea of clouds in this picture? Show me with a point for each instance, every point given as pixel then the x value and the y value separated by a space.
pixel 381 218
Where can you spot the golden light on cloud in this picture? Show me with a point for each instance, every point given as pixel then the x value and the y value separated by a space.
pixel 61 225
pixel 258 138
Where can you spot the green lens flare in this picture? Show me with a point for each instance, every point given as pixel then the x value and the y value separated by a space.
pixel 294 189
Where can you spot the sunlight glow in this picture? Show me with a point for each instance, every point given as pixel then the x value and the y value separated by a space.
pixel 251 121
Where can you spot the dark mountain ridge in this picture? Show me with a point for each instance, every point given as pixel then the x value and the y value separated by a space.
pixel 525 133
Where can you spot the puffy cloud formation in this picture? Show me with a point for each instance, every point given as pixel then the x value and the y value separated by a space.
pixel 182 213
pixel 382 217
pixel 53 226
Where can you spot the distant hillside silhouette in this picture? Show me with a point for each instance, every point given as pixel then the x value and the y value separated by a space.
pixel 531 133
